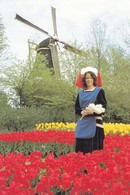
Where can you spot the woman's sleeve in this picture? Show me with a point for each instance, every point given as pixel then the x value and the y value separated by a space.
pixel 101 99
pixel 77 106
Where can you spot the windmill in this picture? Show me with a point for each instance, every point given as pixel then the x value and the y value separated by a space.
pixel 48 46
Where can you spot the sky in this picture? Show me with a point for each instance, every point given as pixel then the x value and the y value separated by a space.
pixel 73 19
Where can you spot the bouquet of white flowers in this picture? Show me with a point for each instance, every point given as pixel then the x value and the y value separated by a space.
pixel 98 109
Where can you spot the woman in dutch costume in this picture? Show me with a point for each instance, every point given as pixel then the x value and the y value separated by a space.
pixel 90 105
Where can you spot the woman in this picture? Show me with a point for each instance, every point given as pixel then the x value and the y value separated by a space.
pixel 89 130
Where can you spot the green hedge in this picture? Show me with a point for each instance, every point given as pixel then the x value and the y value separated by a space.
pixel 25 119
pixel 115 114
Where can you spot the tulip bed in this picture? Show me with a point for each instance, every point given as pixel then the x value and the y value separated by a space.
pixel 110 128
pixel 25 169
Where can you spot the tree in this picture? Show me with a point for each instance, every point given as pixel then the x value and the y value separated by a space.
pixel 13 79
pixel 116 83
pixel 44 90
pixel 97 42
pixel 124 32
pixel 3 100
pixel 3 39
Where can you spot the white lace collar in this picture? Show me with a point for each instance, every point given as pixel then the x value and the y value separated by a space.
pixel 89 89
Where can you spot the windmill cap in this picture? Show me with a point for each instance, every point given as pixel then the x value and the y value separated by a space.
pixel 89 68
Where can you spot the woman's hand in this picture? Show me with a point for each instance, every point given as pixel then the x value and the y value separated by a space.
pixel 89 111
pixel 83 113
pixel 86 112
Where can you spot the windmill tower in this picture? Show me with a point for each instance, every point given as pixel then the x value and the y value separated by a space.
pixel 48 46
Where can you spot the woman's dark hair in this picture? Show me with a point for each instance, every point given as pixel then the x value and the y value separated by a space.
pixel 93 77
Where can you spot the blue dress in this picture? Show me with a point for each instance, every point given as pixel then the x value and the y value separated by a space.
pixel 89 131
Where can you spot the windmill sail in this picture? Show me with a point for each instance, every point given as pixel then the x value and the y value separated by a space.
pixel 53 12
pixel 18 17
pixel 66 45
pixel 48 47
